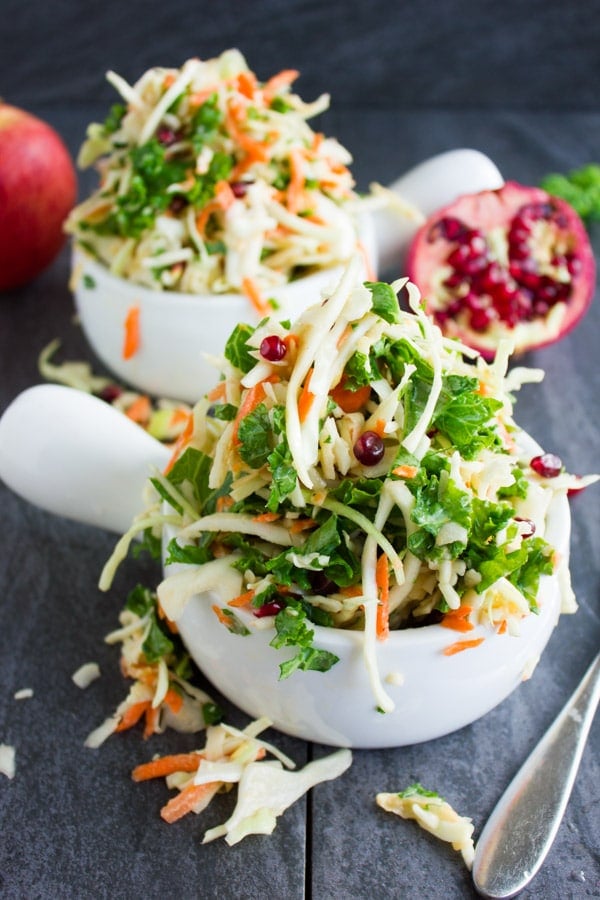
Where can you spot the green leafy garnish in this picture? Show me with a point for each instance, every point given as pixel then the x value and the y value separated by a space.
pixel 580 188
pixel 385 302
pixel 237 350
pixel 292 631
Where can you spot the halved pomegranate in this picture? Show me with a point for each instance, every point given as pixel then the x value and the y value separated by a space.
pixel 513 262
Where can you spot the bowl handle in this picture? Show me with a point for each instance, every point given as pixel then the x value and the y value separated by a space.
pixel 76 456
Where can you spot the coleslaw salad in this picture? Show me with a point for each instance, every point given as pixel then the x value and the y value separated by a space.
pixel 279 512
pixel 213 182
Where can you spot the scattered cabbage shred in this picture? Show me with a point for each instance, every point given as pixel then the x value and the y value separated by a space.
pixel 435 815
pixel 213 182
pixel 275 512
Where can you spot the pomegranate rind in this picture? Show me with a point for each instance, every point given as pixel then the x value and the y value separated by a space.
pixel 486 211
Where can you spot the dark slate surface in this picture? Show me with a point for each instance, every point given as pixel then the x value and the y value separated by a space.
pixel 73 824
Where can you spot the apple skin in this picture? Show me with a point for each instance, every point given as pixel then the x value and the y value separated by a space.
pixel 38 188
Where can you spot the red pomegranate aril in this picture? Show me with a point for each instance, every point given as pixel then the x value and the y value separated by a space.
pixel 272 348
pixel 449 228
pixel 528 529
pixel 548 465
pixel 368 448
pixel 166 136
pixel 480 319
pixel 239 188
pixel 110 393
pixel 271 608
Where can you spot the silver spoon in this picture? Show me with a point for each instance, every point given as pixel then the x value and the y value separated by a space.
pixel 522 827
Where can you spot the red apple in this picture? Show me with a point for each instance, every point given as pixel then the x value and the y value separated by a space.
pixel 38 187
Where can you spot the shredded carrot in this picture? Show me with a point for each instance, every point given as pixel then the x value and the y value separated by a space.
pixel 353 590
pixel 267 517
pixel 242 599
pixel 133 715
pixel 166 765
pixel 458 619
pixel 187 800
pixel 174 700
pixel 221 616
pixel 382 578
pixel 140 410
pixel 131 341
pixel 180 443
pixel 305 400
pixel 349 400
pixel 459 646
pixel 295 189
pixel 219 392
pixel 275 84
pixel 197 98
pixel 246 84
pixel 371 274
pixel 236 116
pixel 151 725
pixel 255 297
pixel 252 397
pixel 224 503
pixel 502 627
pixel 345 333
pixel 379 427
pixel 179 416
pixel 223 199
pixel 299 525
pixel 405 471
pixel 168 80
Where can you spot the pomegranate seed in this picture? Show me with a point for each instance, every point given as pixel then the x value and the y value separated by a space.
pixel 480 319
pixel 177 204
pixel 271 608
pixel 166 136
pixel 449 228
pixel 548 465
pixel 527 531
pixel 368 448
pixel 110 393
pixel 239 188
pixel 272 348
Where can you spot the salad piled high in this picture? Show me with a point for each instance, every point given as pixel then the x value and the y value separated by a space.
pixel 357 470
pixel 213 182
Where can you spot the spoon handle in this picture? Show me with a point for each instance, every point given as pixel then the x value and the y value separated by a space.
pixel 522 827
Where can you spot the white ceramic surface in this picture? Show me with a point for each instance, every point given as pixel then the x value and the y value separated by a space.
pixel 178 331
pixel 76 456
pixel 73 455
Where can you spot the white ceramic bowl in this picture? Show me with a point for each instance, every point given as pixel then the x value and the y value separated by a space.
pixel 180 332
pixel 438 694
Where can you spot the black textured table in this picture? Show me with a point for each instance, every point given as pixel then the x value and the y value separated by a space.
pixel 73 823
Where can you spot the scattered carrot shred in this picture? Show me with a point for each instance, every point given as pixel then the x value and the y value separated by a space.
pixel 458 619
pixel 295 189
pixel 166 765
pixel 133 715
pixel 174 700
pixel 383 609
pixel 131 341
pixel 352 590
pixel 187 800
pixel 459 646
pixel 151 725
pixel 502 627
